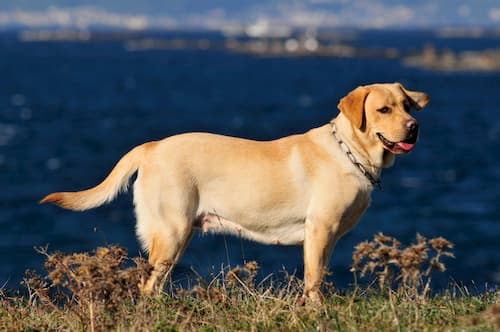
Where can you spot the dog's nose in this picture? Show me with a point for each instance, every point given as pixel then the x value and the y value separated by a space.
pixel 412 125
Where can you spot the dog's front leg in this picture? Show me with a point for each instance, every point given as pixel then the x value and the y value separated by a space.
pixel 318 245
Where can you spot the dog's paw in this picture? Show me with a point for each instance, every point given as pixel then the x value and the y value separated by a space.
pixel 311 299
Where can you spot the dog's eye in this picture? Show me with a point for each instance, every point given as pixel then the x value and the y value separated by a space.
pixel 384 109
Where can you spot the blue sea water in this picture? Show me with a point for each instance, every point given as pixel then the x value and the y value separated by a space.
pixel 69 111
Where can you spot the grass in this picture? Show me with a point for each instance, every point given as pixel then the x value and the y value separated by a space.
pixel 98 292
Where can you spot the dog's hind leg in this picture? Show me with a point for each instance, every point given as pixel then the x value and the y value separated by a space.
pixel 163 227
pixel 166 247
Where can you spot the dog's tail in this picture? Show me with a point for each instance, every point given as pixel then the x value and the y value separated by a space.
pixel 107 190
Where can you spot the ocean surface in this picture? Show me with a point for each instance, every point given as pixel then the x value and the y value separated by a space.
pixel 70 110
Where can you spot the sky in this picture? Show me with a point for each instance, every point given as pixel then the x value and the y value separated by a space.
pixel 214 14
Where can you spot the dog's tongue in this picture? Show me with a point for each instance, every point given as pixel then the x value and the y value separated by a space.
pixel 405 146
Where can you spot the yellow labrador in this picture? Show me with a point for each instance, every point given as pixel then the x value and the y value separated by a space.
pixel 305 189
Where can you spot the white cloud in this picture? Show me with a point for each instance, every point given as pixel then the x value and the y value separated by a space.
pixel 289 13
pixel 494 14
pixel 80 17
pixel 360 13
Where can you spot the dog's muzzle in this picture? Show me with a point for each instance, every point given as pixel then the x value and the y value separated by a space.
pixel 404 146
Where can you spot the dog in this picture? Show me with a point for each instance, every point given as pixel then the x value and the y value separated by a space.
pixel 308 189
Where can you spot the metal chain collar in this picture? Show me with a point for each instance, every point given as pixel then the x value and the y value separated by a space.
pixel 375 182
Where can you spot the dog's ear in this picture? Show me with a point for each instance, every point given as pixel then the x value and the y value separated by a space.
pixel 353 105
pixel 418 99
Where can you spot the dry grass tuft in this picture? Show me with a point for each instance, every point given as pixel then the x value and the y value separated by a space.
pixel 243 276
pixel 408 269
pixel 99 292
pixel 492 315
pixel 95 286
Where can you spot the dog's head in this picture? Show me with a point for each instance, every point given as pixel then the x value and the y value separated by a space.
pixel 382 113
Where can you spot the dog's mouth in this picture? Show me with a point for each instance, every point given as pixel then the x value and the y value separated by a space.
pixel 399 147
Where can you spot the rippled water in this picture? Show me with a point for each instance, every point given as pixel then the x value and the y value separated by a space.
pixel 69 111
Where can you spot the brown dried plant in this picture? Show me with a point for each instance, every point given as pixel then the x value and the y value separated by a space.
pixel 243 275
pixel 93 285
pixel 239 280
pixel 492 315
pixel 409 269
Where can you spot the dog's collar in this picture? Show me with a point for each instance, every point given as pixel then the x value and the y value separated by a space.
pixel 374 181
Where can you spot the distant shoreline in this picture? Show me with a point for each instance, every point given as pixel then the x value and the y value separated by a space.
pixel 323 43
